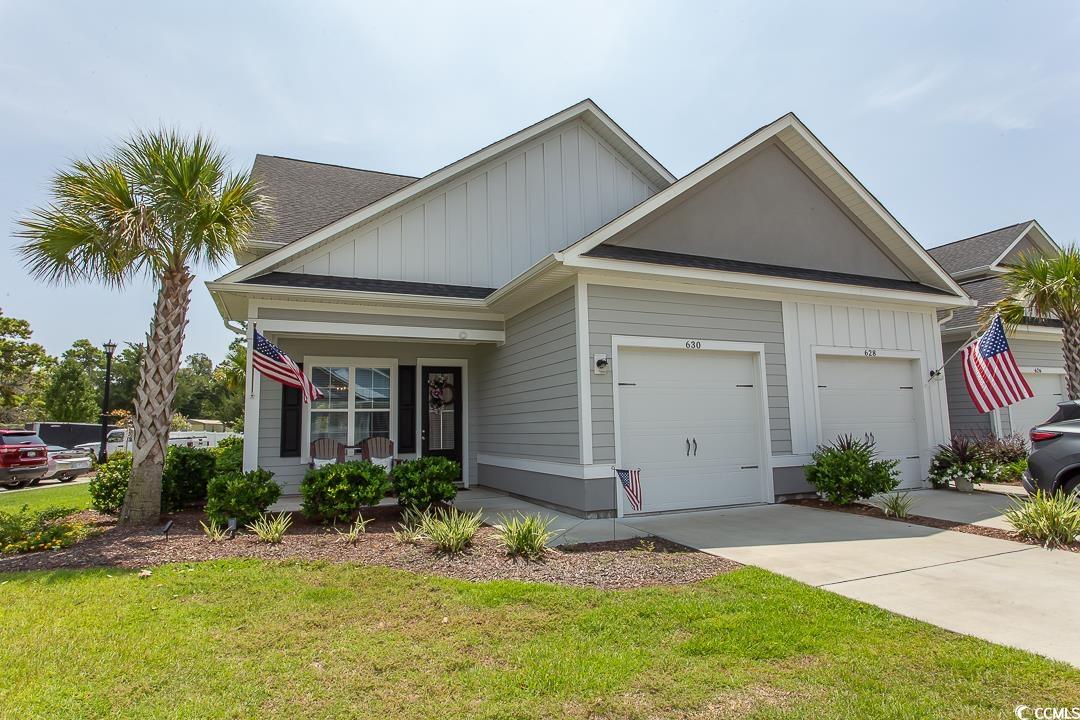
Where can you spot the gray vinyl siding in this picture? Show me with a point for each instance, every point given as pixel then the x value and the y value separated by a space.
pixel 964 418
pixel 289 471
pixel 585 498
pixel 528 386
pixel 1038 353
pixel 657 313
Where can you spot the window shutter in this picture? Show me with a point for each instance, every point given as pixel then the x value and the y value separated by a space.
pixel 406 434
pixel 291 420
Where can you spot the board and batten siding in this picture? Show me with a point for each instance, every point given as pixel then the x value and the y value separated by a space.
pixel 487 228
pixel 809 325
pixel 528 404
pixel 661 313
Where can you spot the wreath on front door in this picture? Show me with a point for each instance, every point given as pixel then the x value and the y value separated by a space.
pixel 440 393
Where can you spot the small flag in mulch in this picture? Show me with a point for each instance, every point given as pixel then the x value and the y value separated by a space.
pixel 631 484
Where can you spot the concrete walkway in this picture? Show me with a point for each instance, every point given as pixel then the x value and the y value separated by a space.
pixel 975 508
pixel 1001 591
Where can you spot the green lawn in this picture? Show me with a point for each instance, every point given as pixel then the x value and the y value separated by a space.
pixel 259 639
pixel 72 496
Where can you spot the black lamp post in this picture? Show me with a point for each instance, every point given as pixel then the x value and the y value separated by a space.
pixel 110 348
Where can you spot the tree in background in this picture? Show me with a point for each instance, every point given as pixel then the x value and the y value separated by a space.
pixel 24 368
pixel 229 383
pixel 1047 289
pixel 70 395
pixel 159 205
pixel 194 386
pixel 125 377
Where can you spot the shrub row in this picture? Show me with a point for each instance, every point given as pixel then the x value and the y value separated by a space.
pixel 338 491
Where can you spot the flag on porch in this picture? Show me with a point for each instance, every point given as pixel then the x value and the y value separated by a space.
pixel 992 376
pixel 631 484
pixel 279 367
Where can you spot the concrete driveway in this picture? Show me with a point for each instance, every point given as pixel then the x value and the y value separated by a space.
pixel 1002 591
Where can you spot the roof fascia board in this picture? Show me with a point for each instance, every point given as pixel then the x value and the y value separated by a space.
pixel 353 296
pixel 1022 332
pixel 732 154
pixel 429 182
pixel 749 280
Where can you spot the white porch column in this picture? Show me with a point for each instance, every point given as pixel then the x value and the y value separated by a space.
pixel 251 403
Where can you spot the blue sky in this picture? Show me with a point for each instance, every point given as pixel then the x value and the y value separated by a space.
pixel 960 117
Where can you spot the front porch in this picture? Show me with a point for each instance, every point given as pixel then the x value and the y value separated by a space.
pixel 407 378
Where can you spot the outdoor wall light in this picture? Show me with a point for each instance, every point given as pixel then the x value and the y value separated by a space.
pixel 600 364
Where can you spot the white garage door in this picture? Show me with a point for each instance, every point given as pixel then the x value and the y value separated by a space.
pixel 860 395
pixel 691 420
pixel 1049 391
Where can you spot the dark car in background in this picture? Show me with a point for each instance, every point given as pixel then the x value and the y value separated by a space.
pixel 1054 461
pixel 23 458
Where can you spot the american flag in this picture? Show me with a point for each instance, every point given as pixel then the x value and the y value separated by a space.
pixel 631 484
pixel 279 367
pixel 991 374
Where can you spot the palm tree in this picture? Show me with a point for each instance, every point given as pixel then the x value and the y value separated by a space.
pixel 1046 289
pixel 157 206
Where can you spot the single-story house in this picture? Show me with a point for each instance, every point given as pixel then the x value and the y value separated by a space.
pixel 978 264
pixel 558 303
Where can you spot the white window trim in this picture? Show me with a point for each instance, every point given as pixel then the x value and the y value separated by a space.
pixel 311 361
pixel 421 400
pixel 768 494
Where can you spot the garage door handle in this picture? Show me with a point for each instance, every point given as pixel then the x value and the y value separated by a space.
pixel 695 447
pixel 748 467
pixel 687 447
pixel 912 457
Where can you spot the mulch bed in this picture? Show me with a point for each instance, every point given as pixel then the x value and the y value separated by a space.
pixel 606 565
pixel 875 512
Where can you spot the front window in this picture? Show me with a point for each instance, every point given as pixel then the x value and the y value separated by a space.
pixel 355 404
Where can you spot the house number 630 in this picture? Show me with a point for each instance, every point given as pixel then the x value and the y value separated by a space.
pixel 693 344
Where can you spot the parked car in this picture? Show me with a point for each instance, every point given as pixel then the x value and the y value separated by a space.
pixel 121 439
pixel 23 458
pixel 1054 460
pixel 66 464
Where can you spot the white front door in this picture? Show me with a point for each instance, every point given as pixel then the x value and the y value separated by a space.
pixel 877 396
pixel 691 421
pixel 1049 389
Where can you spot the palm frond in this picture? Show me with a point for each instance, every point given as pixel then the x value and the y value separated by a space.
pixel 1043 288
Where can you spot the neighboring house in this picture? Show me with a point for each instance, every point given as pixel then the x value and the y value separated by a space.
pixel 978 264
pixel 558 303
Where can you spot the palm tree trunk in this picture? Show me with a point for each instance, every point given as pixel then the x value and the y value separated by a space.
pixel 1070 349
pixel 154 398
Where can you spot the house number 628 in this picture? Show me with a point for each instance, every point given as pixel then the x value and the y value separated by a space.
pixel 870 352
pixel 693 344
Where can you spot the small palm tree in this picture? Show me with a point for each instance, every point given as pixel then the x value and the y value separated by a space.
pixel 157 206
pixel 1046 288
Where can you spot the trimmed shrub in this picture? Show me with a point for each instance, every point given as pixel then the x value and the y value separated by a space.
pixel 229 456
pixel 185 477
pixel 847 470
pixel 339 490
pixel 422 482
pixel 108 488
pixel 244 496
pixel 1053 520
pixel 962 459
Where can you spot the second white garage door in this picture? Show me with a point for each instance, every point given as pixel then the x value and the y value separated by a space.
pixel 691 420
pixel 1049 391
pixel 859 395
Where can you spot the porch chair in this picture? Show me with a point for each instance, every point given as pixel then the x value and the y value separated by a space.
pixel 325 451
pixel 379 450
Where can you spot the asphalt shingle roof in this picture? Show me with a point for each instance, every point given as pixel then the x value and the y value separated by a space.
pixel 978 251
pixel 986 291
pixel 399 287
pixel 310 195
pixel 660 257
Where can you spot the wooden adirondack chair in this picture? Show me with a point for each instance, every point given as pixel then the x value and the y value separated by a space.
pixel 376 449
pixel 326 449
